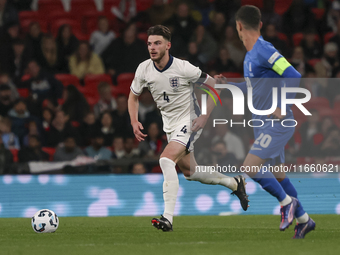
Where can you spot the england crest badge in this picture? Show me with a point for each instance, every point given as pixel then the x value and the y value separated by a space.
pixel 174 83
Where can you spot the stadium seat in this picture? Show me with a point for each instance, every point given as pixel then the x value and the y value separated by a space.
pixel 297 38
pixel 67 79
pixel 25 77
pixel 257 3
pixel 283 37
pixel 143 36
pixel 120 90
pixel 142 5
pixel 50 151
pixel 80 6
pixel 313 61
pixel 299 116
pixel 91 101
pixel 282 6
pixel 46 6
pixel 76 26
pixel 328 36
pixel 232 75
pixel 90 78
pixel 125 78
pixel 336 106
pixel 15 154
pixel 24 93
pixel 80 35
pixel 23 15
pixel 318 13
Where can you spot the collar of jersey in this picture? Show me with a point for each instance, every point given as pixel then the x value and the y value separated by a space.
pixel 171 59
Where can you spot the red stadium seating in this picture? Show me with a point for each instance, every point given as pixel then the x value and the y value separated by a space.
pixel 258 3
pixel 25 25
pixel 28 15
pixel 297 38
pixel 282 6
pixel 25 77
pixel 90 78
pixel 328 36
pixel 283 37
pixel 46 6
pixel 143 36
pixel 317 103
pixel 24 93
pixel 125 78
pixel 15 154
pixel 80 6
pixel 50 152
pixel 120 90
pixel 313 61
pixel 336 106
pixel 232 75
pixel 67 79
pixel 142 5
pixel 318 13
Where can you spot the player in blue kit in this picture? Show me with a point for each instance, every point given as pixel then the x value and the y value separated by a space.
pixel 262 64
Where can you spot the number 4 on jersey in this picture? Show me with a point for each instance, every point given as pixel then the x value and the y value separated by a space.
pixel 166 98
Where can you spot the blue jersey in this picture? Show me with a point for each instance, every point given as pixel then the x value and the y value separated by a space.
pixel 264 69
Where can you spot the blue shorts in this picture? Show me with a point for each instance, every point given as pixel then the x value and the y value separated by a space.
pixel 270 143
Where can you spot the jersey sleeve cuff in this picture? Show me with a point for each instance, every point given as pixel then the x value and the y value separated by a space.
pixel 134 92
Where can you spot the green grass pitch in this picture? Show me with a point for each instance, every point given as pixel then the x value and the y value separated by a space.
pixel 192 235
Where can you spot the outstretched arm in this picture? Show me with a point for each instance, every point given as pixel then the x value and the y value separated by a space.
pixel 133 105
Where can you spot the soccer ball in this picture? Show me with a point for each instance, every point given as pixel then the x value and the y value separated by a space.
pixel 45 221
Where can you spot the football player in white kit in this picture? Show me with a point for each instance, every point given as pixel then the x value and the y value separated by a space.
pixel 171 83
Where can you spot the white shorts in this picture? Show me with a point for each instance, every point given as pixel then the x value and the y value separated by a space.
pixel 183 135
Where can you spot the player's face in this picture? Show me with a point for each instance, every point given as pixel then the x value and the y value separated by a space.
pixel 157 47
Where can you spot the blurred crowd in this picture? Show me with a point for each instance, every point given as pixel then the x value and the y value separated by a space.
pixel 43 118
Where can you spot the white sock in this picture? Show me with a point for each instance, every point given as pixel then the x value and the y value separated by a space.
pixel 303 219
pixel 212 178
pixel 170 186
pixel 286 201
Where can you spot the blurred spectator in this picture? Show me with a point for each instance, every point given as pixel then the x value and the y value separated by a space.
pixel 333 87
pixel 331 144
pixel 159 12
pixel 217 26
pixel 87 128
pixel 234 143
pixel 235 46
pixel 60 128
pixel 67 44
pixel 130 151
pixel 97 150
pixel 125 53
pixel 268 15
pixel 9 139
pixel 49 58
pixel 18 59
pixel 182 27
pixel 6 102
pixel 307 131
pixel 336 38
pixel 9 34
pixel 21 5
pixel 229 8
pixel 106 101
pixel 298 18
pixel 32 130
pixel 6 158
pixel 221 156
pixel 69 151
pixel 107 128
pixel 75 105
pixel 329 61
pixel 33 39
pixel 299 62
pixel 153 145
pixel 8 14
pixel 42 85
pixel 313 85
pixel 271 36
pixel 311 47
pixel 33 151
pixel 138 168
pixel 146 105
pixel 223 63
pixel 84 62
pixel 192 56
pixel 207 46
pixel 202 11
pixel 121 117
pixel 118 147
pixel 101 38
pixel 47 118
pixel 5 79
pixel 19 116
pixel 333 16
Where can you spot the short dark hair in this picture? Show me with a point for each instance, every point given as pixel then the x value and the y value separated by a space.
pixel 250 16
pixel 160 30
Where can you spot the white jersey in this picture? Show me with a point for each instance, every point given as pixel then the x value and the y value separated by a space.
pixel 171 88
